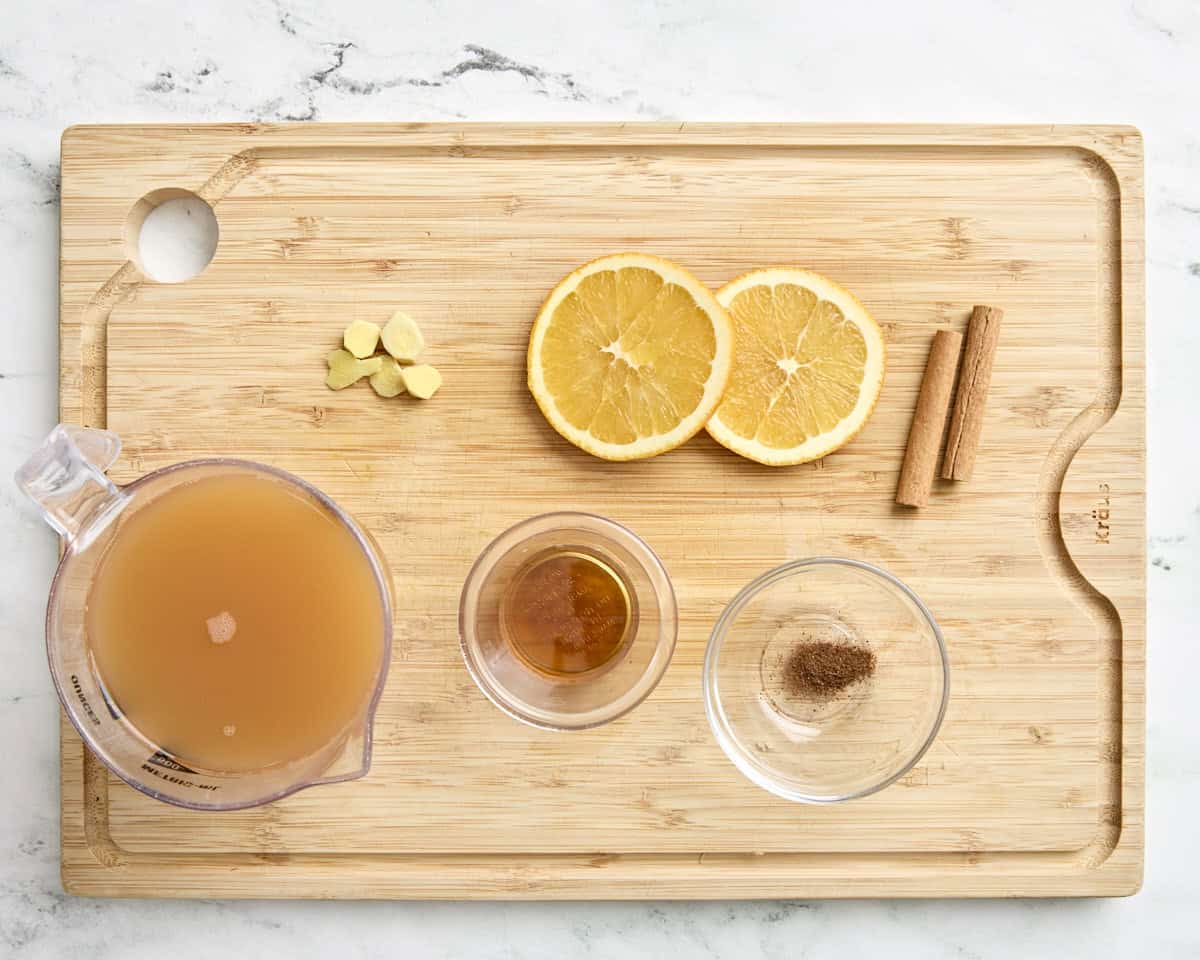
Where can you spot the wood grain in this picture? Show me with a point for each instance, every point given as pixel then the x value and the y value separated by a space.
pixel 1035 785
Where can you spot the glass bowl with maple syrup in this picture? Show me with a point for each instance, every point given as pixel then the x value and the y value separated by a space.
pixel 825 680
pixel 567 621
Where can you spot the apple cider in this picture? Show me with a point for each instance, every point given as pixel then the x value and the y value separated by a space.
pixel 236 623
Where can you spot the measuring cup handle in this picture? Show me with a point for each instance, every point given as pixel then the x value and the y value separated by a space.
pixel 65 480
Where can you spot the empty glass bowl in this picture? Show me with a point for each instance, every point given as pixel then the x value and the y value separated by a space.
pixel 509 621
pixel 802 739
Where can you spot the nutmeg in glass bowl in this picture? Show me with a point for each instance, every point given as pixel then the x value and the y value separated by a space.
pixel 825 680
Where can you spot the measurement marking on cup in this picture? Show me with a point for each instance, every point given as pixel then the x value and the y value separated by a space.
pixel 179 781
pixel 161 759
pixel 87 707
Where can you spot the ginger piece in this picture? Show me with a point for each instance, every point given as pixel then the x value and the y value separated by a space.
pixel 361 338
pixel 422 380
pixel 388 381
pixel 345 369
pixel 402 337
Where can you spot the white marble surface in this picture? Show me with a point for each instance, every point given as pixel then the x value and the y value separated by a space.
pixel 1004 60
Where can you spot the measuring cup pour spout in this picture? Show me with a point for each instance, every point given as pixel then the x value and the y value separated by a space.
pixel 65 479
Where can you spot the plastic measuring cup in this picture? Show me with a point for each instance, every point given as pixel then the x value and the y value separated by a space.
pixel 66 479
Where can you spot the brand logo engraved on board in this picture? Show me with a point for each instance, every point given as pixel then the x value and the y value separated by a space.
pixel 1101 513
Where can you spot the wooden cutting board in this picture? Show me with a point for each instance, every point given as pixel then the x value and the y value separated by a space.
pixel 1035 568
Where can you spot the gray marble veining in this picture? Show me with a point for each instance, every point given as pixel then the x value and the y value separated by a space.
pixel 70 62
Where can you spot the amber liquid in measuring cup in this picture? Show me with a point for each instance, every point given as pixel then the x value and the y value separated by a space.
pixel 567 612
pixel 235 623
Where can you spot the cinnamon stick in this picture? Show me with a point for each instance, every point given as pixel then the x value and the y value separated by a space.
pixel 929 421
pixel 962 443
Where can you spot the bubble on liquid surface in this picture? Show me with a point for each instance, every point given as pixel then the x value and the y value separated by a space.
pixel 229 729
pixel 222 627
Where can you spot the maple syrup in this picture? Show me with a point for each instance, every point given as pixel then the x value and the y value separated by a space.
pixel 567 612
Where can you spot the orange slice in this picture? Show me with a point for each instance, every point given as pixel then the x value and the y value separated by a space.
pixel 629 356
pixel 809 367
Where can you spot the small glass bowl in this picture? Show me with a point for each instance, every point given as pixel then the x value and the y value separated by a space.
pixel 825 748
pixel 581 700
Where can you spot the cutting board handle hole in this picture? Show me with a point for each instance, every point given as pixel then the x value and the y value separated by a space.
pixel 171 235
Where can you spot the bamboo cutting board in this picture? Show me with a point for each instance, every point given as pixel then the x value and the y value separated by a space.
pixel 1035 568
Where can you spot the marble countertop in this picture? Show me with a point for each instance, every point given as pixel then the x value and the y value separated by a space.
pixel 75 62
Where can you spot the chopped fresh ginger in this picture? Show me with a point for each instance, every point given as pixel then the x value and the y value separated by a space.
pixel 402 337
pixel 388 381
pixel 361 338
pixel 402 340
pixel 422 380
pixel 345 369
